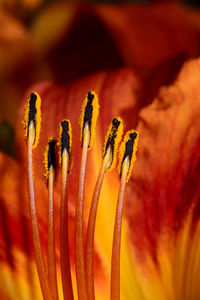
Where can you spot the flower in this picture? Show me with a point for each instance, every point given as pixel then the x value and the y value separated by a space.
pixel 160 238
pixel 159 257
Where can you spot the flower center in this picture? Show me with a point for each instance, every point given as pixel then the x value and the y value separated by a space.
pixel 84 260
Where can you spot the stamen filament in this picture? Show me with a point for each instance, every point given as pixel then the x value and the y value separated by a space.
pixel 41 269
pixel 51 239
pixel 64 242
pixel 115 264
pixel 89 259
pixel 79 253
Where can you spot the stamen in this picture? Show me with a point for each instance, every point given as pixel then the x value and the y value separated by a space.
pixel 127 158
pixel 50 166
pixel 112 140
pixel 41 269
pixel 65 141
pixel 89 114
pixel 79 253
pixel 33 113
pixel 88 118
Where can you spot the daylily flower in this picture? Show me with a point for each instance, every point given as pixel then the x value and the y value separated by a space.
pixel 160 237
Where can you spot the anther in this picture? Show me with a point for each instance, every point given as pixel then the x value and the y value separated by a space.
pixel 89 114
pixel 33 116
pixel 128 150
pixel 112 139
pixel 65 142
pixel 50 158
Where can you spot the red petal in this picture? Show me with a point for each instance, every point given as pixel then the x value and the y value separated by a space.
pixel 166 176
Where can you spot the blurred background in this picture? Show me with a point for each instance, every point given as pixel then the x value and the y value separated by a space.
pixel 62 41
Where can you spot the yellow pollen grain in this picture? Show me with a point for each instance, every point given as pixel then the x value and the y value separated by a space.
pixel 37 118
pixel 122 152
pixel 95 113
pixel 110 132
pixel 70 145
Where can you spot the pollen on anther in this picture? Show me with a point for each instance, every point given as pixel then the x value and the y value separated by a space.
pixel 50 158
pixel 128 149
pixel 33 114
pixel 89 115
pixel 112 140
pixel 65 141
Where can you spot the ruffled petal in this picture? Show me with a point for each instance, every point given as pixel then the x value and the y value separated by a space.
pixel 163 198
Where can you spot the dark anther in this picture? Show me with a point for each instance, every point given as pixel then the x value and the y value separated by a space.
pixel 32 109
pixel 52 154
pixel 65 137
pixel 129 148
pixel 112 136
pixel 88 112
